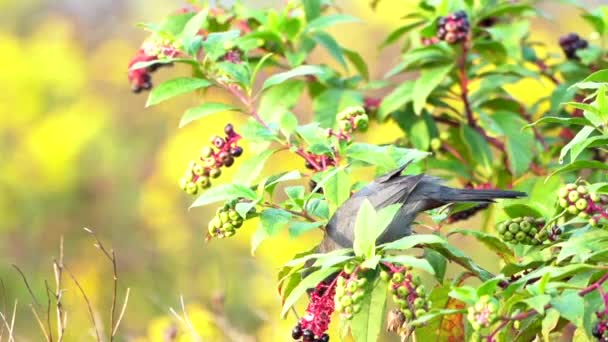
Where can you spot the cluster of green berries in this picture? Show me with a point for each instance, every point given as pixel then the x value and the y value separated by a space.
pixel 352 119
pixel 484 313
pixel 226 221
pixel 408 293
pixel 577 201
pixel 523 230
pixel 221 154
pixel 350 290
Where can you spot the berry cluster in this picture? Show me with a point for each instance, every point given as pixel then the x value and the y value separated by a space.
pixel 523 230
pixel 199 173
pixel 313 325
pixel 350 290
pixel 352 119
pixel 408 293
pixel 600 330
pixel 453 28
pixel 577 201
pixel 571 43
pixel 141 78
pixel 226 221
pixel 483 313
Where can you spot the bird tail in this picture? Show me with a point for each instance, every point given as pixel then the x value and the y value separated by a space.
pixel 477 195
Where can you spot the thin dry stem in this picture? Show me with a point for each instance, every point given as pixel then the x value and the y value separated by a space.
pixel 122 312
pixel 40 324
pixel 58 270
pixel 86 299
pixel 10 326
pixel 27 285
pixel 48 308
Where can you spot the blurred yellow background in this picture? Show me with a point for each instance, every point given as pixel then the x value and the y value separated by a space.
pixel 78 149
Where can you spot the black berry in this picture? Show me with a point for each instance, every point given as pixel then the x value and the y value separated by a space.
pixel 308 336
pixel 236 151
pixel 571 43
pixel 453 28
pixel 296 333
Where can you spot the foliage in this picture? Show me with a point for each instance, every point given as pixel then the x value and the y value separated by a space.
pixel 458 120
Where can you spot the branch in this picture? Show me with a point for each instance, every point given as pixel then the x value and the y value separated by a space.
pixel 86 299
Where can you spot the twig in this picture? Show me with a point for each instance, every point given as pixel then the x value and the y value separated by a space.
pixel 29 289
pixel 40 324
pixel 122 312
pixel 112 257
pixel 48 308
pixel 464 84
pixel 11 326
pixel 86 299
pixel 58 270
pixel 303 214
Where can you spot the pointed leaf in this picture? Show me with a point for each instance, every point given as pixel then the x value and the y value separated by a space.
pixel 174 87
pixel 204 110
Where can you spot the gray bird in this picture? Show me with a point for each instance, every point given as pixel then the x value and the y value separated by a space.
pixel 416 193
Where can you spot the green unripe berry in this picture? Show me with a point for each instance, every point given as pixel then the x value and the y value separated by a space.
pixel 542 235
pixel 407 314
pixel 191 188
pixel 348 310
pixel 233 214
pixel 198 169
pixel 361 122
pixel 361 282
pixel 595 198
pixel 403 291
pixel 533 231
pixel 337 306
pixel 346 301
pixel 345 125
pixel 444 135
pixel 521 236
pixel 514 227
pixel 203 182
pixel 356 308
pixel 570 186
pixel 581 204
pixel 227 227
pixel 563 193
pixel 214 173
pixel 341 281
pixel 224 217
pixel 237 223
pixel 351 112
pixel 525 226
pixel 206 152
pixel 349 268
pixel 573 196
pixel 420 290
pixel 572 209
pixel 501 228
pixel 351 286
pixel 517 325
pixel 593 222
pixel 397 277
pixel 229 233
pixel 583 215
pixel 581 189
pixel 339 292
pixel 357 296
pixel 418 302
pixel 416 280
pixel 209 162
pixel 420 312
pixel 508 236
pixel 435 144
pixel 384 275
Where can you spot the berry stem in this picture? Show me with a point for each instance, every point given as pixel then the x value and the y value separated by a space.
pixel 464 84
pixel 303 214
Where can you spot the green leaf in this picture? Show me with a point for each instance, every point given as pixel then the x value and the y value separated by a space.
pixel 438 262
pixel 204 110
pixel 309 282
pixel 493 51
pixel 252 167
pixel 538 302
pixel 399 32
pixel 521 209
pixel 490 241
pixel 465 294
pixel 358 62
pixel 396 99
pixel 581 164
pixel 174 87
pixel 365 226
pixel 549 323
pixel 298 71
pixel 477 147
pixel 519 144
pixel 429 79
pixel 332 46
pixel 332 101
pixel 409 260
pixel 600 76
pixel 367 323
pixel 312 9
pixel 337 189
pixel 561 121
pixel 571 306
pixel 258 67
pixel 298 228
pixel 192 28
pixel 279 99
pixel 580 137
pixel 224 192
pixel 329 20
pixel 274 220
pixel 489 287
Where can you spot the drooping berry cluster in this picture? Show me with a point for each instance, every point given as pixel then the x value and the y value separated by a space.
pixel 577 201
pixel 141 78
pixel 453 28
pixel 571 43
pixel 408 293
pixel 484 313
pixel 350 290
pixel 313 326
pixel 199 173
pixel 523 230
pixel 226 221
pixel 352 119
pixel 600 330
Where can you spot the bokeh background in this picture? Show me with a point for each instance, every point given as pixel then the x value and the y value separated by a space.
pixel 78 149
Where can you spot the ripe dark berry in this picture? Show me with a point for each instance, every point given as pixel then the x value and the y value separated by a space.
pixel 236 151
pixel 453 28
pixel 571 43
pixel 228 161
pixel 229 129
pixel 309 165
pixel 324 338
pixel 218 142
pixel 296 333
pixel 308 336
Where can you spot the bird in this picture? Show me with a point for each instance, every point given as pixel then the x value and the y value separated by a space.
pixel 415 193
